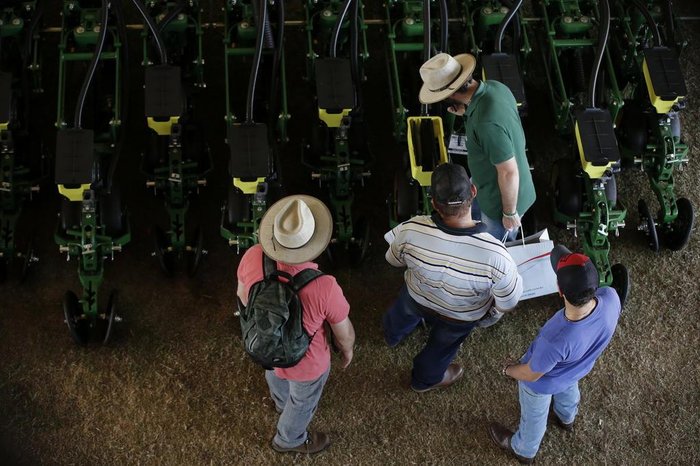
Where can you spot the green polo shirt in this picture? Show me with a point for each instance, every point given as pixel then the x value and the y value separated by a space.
pixel 494 135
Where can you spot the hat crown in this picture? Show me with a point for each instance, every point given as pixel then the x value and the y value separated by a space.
pixel 294 225
pixel 440 71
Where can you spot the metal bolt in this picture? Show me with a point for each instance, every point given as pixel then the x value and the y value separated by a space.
pixel 16 22
pixel 79 30
pixel 180 17
pixel 244 25
pixel 487 10
pixel 409 21
pixel 96 29
pixel 327 13
pixel 568 19
pixel 504 10
pixel 585 19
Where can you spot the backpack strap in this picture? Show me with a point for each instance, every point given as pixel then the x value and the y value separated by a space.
pixel 304 277
pixel 269 266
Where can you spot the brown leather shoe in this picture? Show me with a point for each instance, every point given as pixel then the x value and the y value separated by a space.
pixel 501 437
pixel 315 443
pixel 452 374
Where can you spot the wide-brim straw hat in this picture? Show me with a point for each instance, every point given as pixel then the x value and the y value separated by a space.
pixel 443 74
pixel 296 229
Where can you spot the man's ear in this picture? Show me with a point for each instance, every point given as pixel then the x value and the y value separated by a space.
pixel 473 190
pixel 432 203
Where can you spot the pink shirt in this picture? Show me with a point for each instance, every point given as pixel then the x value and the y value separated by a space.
pixel 322 300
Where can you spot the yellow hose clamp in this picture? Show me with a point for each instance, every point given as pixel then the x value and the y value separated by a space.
pixel 248 187
pixel 333 120
pixel 73 194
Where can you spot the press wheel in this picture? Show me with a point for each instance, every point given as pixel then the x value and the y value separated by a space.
pixel 621 282
pixel 677 234
pixel 73 312
pixel 110 315
pixel 648 226
pixel 194 257
pixel 359 244
pixel 164 256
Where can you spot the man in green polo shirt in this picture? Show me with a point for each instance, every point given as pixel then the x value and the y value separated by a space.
pixel 495 139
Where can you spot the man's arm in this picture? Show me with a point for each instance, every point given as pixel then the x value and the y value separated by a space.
pixel 508 184
pixel 522 372
pixel 242 293
pixel 344 334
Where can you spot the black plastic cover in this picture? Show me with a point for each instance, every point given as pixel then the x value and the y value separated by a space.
pixel 163 93
pixel 75 156
pixel 334 84
pixel 503 67
pixel 597 136
pixel 665 72
pixel 250 151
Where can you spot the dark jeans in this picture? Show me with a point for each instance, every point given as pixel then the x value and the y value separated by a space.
pixel 445 338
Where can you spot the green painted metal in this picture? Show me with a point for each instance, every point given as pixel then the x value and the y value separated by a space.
pixel 90 244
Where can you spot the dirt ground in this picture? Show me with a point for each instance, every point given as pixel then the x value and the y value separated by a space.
pixel 175 387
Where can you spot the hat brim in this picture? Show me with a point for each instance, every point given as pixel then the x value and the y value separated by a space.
pixel 557 253
pixel 468 62
pixel 313 248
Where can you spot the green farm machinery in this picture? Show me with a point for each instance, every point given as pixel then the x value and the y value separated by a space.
pixel 646 57
pixel 254 47
pixel 415 29
pixel 337 152
pixel 22 160
pixel 177 156
pixel 93 225
pixel 586 101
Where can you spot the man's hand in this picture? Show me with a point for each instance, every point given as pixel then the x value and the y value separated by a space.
pixel 346 358
pixel 457 109
pixel 511 222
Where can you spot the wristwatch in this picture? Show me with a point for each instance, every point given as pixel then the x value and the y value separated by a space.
pixel 505 368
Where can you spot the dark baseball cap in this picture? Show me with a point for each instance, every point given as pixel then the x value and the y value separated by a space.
pixel 450 184
pixel 576 272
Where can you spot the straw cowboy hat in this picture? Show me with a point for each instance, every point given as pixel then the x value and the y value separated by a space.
pixel 296 229
pixel 443 74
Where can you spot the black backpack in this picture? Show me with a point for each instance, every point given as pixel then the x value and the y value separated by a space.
pixel 272 326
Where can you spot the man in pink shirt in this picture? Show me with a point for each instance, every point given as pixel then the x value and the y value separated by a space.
pixel 293 232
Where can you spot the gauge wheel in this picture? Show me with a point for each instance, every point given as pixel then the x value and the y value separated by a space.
pixel 648 226
pixel 78 327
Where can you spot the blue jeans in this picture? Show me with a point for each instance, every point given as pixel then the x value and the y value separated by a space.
pixel 297 401
pixel 445 338
pixel 494 227
pixel 534 410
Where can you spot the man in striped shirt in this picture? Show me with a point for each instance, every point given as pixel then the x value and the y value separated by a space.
pixel 456 274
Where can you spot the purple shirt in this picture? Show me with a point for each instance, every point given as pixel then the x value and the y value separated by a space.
pixel 565 351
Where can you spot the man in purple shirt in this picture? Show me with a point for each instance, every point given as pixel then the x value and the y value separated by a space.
pixel 564 351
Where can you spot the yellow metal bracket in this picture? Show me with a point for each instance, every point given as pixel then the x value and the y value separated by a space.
pixel 333 120
pixel 73 194
pixel 417 172
pixel 162 128
pixel 248 187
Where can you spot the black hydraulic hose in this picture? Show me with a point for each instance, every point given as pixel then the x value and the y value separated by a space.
pixel 650 21
pixel 276 63
pixel 504 24
pixel 444 26
pixel 78 120
pixel 154 30
pixel 671 27
pixel 338 26
pixel 256 64
pixel 355 54
pixel 269 41
pixel 603 32
pixel 426 31
pixel 171 16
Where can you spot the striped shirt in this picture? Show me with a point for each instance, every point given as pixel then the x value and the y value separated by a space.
pixel 458 273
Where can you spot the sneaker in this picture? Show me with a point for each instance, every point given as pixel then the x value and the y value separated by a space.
pixel 490 318
pixel 315 443
pixel 453 373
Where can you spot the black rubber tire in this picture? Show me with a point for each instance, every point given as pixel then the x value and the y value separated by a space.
pixel 237 207
pixel 194 258
pixel 72 312
pixel 634 128
pixel 111 313
pixel 406 197
pixel 359 247
pixel 646 219
pixel 611 192
pixel 165 257
pixel 111 214
pixel 70 214
pixel 621 282
pixel 677 235
pixel 567 188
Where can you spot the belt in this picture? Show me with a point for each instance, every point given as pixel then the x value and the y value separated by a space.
pixel 437 315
